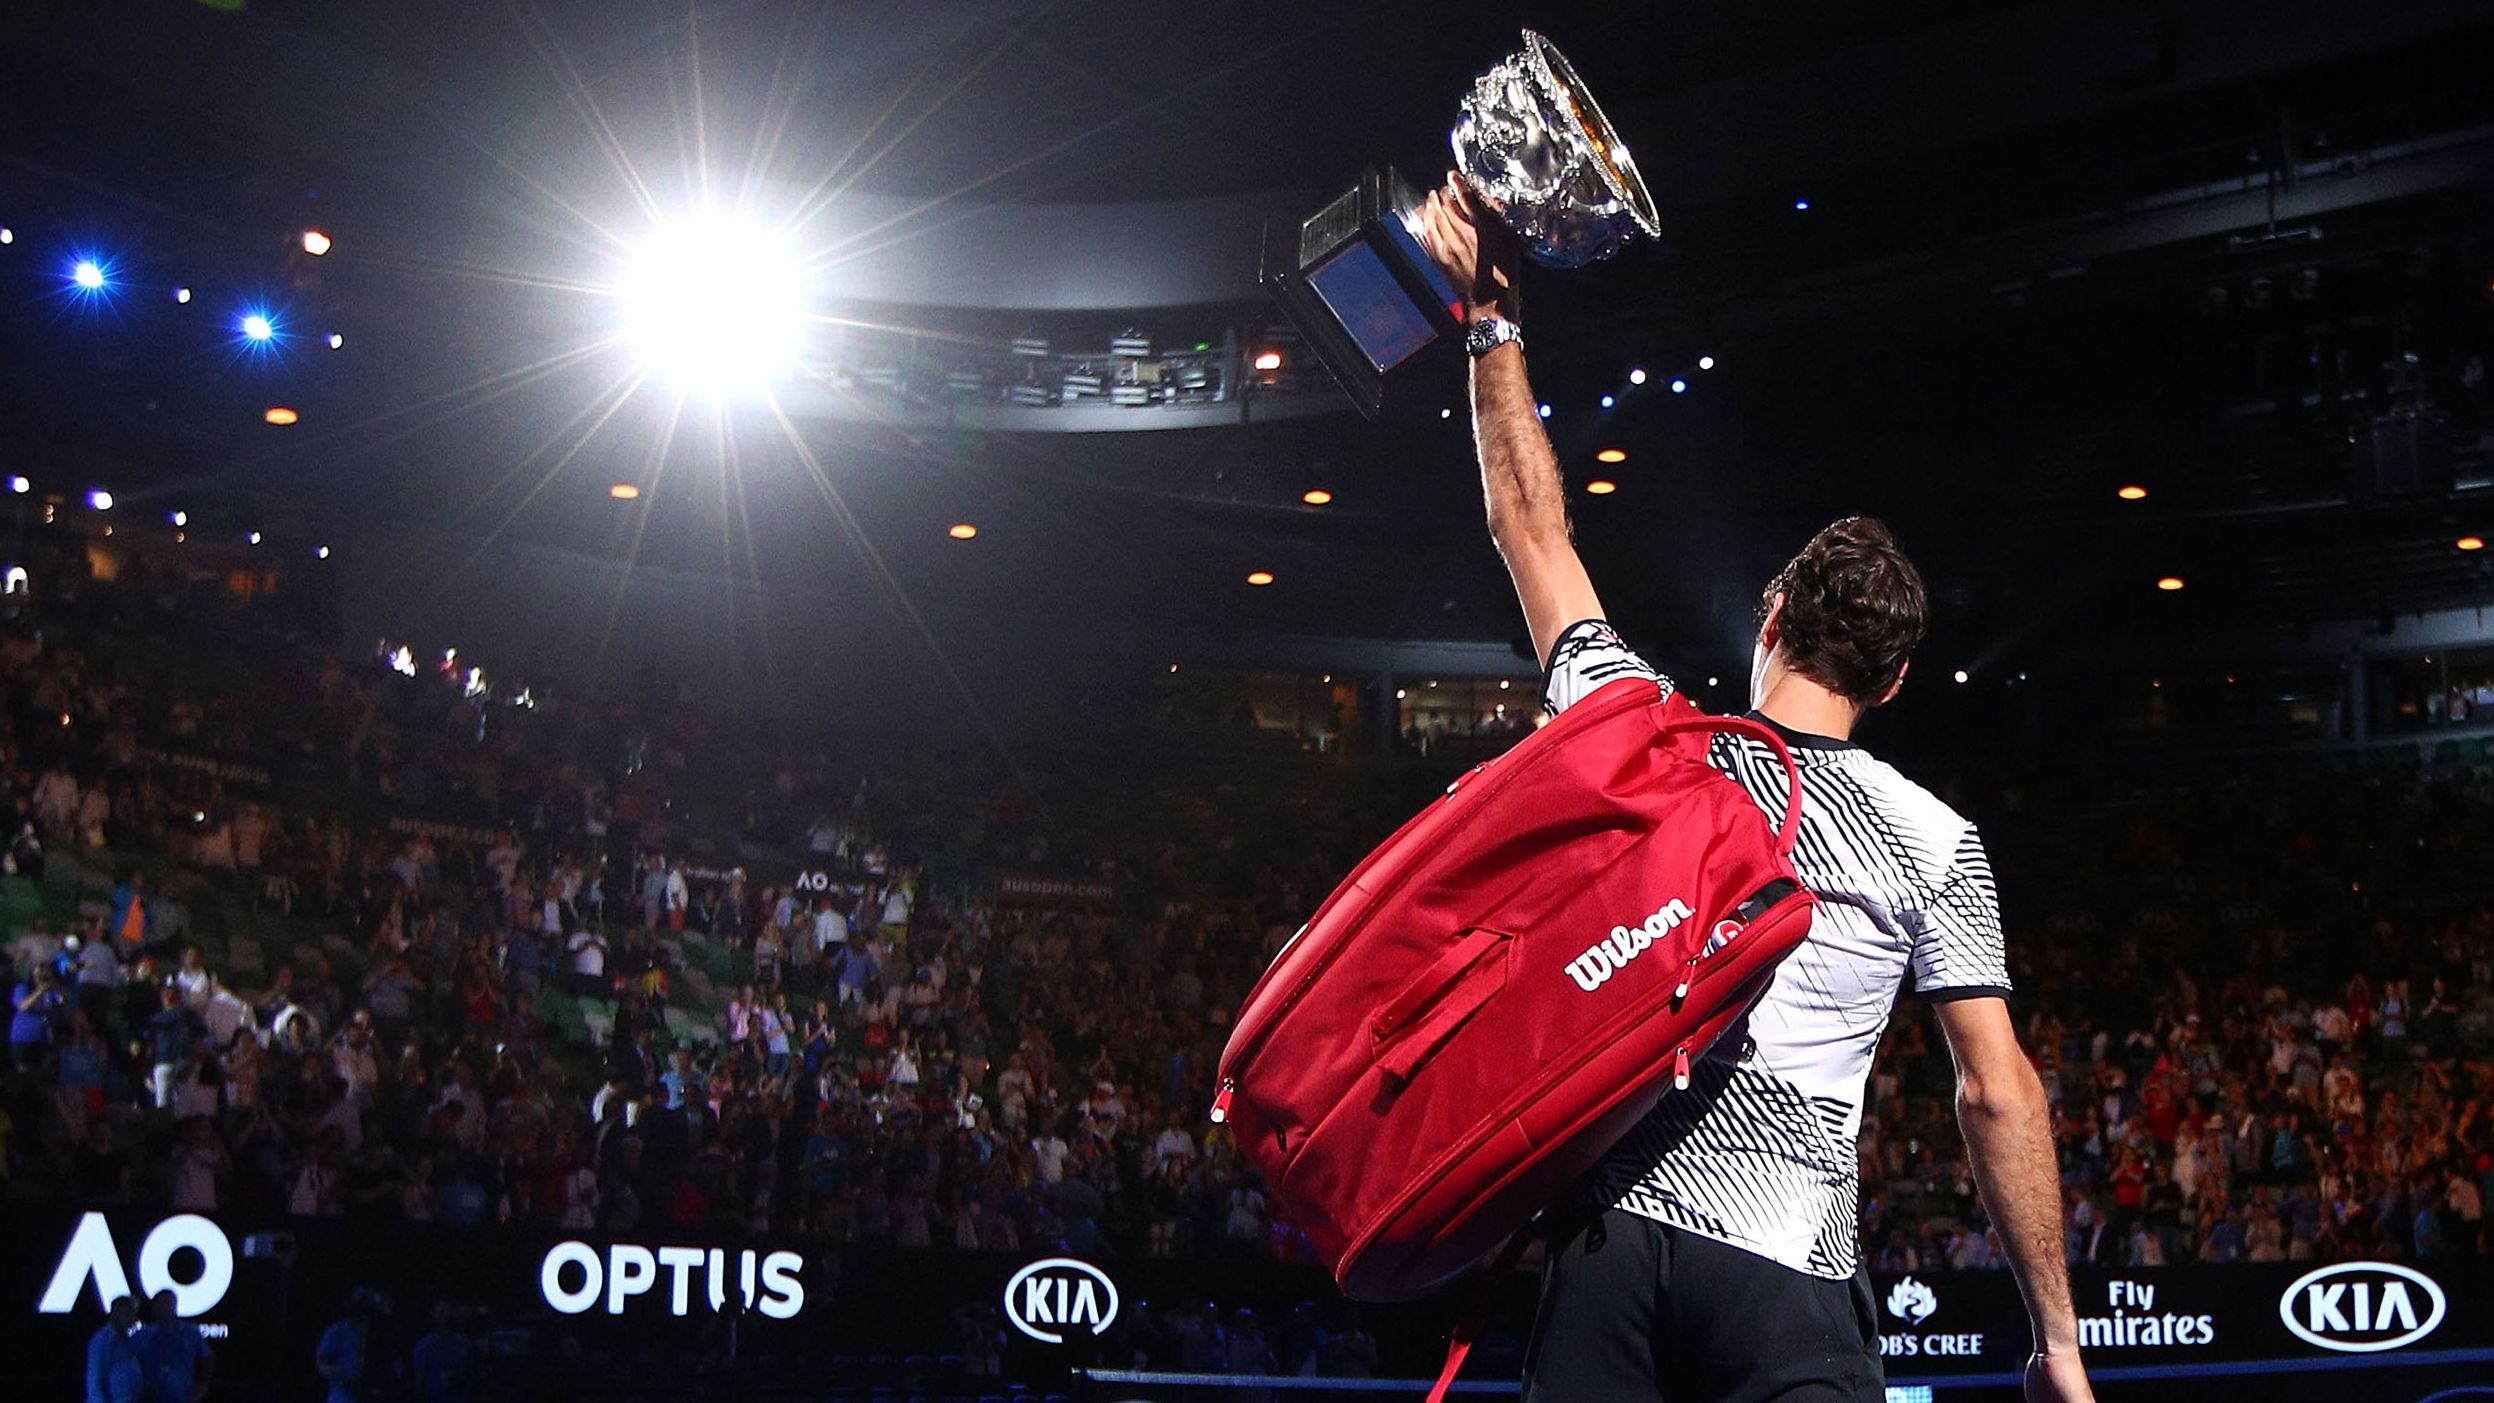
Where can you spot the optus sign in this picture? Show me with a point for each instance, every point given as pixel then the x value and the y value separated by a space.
pixel 1056 1296
pixel 2362 1307
pixel 575 1278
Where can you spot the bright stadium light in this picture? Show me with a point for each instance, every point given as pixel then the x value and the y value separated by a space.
pixel 88 274
pixel 715 302
pixel 257 327
pixel 100 499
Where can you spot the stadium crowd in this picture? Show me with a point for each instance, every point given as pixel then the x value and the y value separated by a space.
pixel 303 934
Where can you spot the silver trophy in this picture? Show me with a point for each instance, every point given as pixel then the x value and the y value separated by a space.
pixel 1533 146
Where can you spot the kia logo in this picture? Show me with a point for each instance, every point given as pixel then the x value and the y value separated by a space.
pixel 1055 1296
pixel 2362 1307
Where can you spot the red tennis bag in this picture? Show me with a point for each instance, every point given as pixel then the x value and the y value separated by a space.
pixel 1501 990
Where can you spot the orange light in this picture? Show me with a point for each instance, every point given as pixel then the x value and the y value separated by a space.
pixel 962 531
pixel 2470 543
pixel 624 491
pixel 1611 455
pixel 2133 493
pixel 1259 577
pixel 1316 496
pixel 1602 487
pixel 280 415
pixel 315 242
pixel 1268 360
pixel 2170 583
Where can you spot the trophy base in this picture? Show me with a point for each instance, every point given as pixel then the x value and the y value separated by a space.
pixel 1362 291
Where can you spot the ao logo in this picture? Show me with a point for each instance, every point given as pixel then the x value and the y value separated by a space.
pixel 1056 1295
pixel 813 881
pixel 92 1255
pixel 2362 1307
pixel 1911 1300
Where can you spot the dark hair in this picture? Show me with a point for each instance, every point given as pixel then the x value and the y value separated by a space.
pixel 1854 607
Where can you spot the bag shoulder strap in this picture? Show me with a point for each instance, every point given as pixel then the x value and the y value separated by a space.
pixel 1789 831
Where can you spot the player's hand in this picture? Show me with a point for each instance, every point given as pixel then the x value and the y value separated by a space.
pixel 1475 249
pixel 2057 1378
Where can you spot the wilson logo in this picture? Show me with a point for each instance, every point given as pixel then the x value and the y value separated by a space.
pixel 2362 1307
pixel 1594 968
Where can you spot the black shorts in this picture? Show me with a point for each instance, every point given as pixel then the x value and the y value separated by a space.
pixel 1632 1309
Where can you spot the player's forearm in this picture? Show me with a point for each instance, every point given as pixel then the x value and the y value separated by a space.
pixel 1520 481
pixel 2009 1140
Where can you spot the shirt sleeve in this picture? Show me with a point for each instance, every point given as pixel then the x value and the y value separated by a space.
pixel 1589 654
pixel 1960 952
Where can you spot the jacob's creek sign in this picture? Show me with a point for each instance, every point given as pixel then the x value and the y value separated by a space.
pixel 1915 1303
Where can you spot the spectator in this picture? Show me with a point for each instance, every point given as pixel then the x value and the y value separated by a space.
pixel 115 1373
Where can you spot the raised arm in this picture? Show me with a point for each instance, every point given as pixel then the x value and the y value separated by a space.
pixel 1521 487
pixel 2000 1107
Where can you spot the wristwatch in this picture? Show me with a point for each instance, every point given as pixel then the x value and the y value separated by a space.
pixel 1488 334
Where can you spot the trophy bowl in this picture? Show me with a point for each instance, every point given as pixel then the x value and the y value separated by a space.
pixel 1533 147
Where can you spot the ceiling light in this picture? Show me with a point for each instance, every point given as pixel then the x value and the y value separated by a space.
pixel 315 242
pixel 1545 411
pixel 88 274
pixel 1446 414
pixel 1637 376
pixel 322 553
pixel 624 491
pixel 100 499
pixel 253 538
pixel 1316 496
pixel 1268 360
pixel 20 485
pixel 715 302
pixel 1679 386
pixel 1259 577
pixel 2170 583
pixel 1802 205
pixel 1611 455
pixel 280 415
pixel 1705 362
pixel 2132 493
pixel 1608 401
pixel 1601 487
pixel 337 340
pixel 962 531
pixel 7 235
pixel 1959 676
pixel 182 295
pixel 1504 684
pixel 258 327
pixel 181 518
pixel 1401 692
pixel 2464 542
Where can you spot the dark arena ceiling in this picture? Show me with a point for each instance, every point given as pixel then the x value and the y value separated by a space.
pixel 2238 254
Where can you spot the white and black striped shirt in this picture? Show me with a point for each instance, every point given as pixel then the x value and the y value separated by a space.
pixel 1759 1152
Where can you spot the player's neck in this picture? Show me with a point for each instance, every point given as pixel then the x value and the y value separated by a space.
pixel 1796 703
